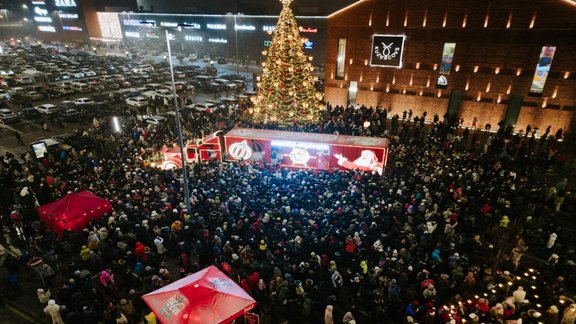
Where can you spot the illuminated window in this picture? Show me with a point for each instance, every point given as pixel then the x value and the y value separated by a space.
pixel 533 19
pixel 406 18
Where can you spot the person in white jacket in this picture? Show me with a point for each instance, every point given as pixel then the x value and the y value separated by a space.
pixel 54 311
pixel 43 296
pixel 159 241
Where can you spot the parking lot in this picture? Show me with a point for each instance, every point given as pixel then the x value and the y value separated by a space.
pixel 46 92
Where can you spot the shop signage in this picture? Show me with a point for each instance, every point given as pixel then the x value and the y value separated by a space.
pixel 72 28
pixel 191 25
pixel 65 3
pixel 244 27
pixel 43 19
pixel 217 40
pixel 50 29
pixel 268 28
pixel 387 50
pixel 267 43
pixel 41 11
pixel 68 16
pixel 132 34
pixel 216 26
pixel 305 145
pixel 168 24
pixel 308 30
pixel 308 45
pixel 193 38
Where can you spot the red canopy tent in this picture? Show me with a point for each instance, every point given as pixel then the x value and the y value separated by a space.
pixel 73 212
pixel 205 297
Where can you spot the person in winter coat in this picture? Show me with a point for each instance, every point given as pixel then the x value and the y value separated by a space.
pixel 85 253
pixel 328 316
pixel 54 311
pixel 106 279
pixel 140 252
pixel 43 296
pixel 348 318
pixel 159 242
pixel 127 307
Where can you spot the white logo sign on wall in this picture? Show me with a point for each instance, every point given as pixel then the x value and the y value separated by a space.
pixel 387 50
pixel 65 3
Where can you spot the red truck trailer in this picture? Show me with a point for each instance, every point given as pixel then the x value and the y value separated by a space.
pixel 306 150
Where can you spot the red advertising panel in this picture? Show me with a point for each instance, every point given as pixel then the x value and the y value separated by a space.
pixel 307 150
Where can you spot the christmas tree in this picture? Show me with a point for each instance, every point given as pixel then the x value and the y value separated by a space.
pixel 286 92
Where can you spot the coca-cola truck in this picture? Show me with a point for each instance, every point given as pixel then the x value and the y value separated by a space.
pixel 288 149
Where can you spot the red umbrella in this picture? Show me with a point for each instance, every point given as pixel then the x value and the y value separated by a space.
pixel 207 296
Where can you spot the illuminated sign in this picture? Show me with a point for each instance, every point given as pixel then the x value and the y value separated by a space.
pixel 244 27
pixel 267 43
pixel 192 26
pixel 65 3
pixel 308 45
pixel 309 30
pixel 43 19
pixel 268 28
pixel 72 28
pixel 193 38
pixel 132 34
pixel 387 50
pixel 306 145
pixel 217 40
pixel 215 26
pixel 39 2
pixel 41 11
pixel 340 59
pixel 299 156
pixel 168 24
pixel 240 151
pixel 130 22
pixel 445 65
pixel 50 29
pixel 68 16
pixel 542 69
pixel 152 35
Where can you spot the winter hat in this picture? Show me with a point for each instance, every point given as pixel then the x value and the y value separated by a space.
pixel 51 302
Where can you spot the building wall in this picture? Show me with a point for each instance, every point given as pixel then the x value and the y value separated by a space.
pixel 490 63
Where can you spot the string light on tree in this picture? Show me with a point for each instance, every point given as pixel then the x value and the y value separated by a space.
pixel 286 92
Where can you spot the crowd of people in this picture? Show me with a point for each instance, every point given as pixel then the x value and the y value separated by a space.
pixel 440 237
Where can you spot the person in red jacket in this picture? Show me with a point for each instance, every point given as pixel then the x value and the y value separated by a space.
pixel 140 253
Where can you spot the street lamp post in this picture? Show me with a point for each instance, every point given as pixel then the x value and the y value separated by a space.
pixel 236 42
pixel 178 124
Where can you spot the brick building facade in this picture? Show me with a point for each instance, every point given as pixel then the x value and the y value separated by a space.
pixel 498 45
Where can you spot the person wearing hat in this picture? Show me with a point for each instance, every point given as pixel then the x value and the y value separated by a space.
pixel 43 296
pixel 127 308
pixel 53 310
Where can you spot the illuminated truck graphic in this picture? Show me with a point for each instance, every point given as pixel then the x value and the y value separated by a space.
pixel 206 149
pixel 287 149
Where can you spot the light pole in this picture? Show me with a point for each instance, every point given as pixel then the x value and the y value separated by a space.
pixel 178 124
pixel 236 42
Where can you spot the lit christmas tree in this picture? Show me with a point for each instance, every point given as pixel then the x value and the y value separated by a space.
pixel 286 92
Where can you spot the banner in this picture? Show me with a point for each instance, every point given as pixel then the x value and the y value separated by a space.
pixel 340 59
pixel 387 50
pixel 251 318
pixel 445 65
pixel 542 69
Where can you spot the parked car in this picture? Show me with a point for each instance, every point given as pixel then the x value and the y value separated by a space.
pixel 8 117
pixel 137 101
pixel 208 107
pixel 47 109
pixel 83 101
pixel 30 113
pixel 155 120
pixel 70 115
